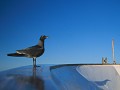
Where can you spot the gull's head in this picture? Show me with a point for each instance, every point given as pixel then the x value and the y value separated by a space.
pixel 43 37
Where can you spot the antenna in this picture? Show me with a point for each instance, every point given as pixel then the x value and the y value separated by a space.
pixel 113 53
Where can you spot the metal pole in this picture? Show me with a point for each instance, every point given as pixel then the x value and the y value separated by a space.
pixel 113 53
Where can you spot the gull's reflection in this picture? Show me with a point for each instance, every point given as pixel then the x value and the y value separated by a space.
pixel 34 71
pixel 23 82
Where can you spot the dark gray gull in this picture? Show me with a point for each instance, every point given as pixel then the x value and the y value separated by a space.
pixel 31 52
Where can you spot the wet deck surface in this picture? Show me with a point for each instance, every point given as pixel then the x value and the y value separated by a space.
pixel 27 78
pixel 62 77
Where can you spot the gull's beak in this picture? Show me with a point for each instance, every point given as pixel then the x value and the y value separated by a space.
pixel 46 36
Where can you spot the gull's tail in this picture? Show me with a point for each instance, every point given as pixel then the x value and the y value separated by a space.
pixel 16 55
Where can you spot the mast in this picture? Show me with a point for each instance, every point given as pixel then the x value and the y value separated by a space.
pixel 113 53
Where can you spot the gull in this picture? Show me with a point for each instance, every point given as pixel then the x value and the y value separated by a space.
pixel 31 52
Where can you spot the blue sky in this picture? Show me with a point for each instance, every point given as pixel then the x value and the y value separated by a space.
pixel 80 31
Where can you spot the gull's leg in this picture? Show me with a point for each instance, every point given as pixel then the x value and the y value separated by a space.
pixel 34 62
